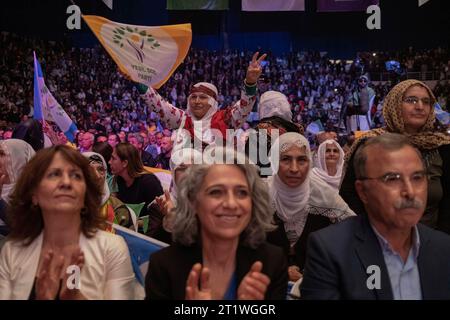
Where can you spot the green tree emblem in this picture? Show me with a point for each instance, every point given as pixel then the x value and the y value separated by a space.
pixel 135 38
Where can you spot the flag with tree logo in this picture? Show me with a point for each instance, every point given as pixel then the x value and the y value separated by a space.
pixel 147 55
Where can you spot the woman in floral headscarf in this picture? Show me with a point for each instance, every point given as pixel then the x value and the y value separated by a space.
pixel 408 109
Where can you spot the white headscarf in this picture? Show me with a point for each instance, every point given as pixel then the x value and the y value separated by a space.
pixel 93 157
pixel 202 132
pixel 274 103
pixel 17 154
pixel 321 170
pixel 294 204
pixel 291 204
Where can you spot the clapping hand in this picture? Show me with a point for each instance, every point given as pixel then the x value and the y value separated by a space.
pixel 294 273
pixel 74 293
pixel 48 279
pixel 197 284
pixel 254 285
pixel 51 279
pixel 164 203
pixel 254 69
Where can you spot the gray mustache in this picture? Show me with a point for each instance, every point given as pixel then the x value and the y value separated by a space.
pixel 408 203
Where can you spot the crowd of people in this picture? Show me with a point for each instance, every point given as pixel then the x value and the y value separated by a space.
pixel 238 227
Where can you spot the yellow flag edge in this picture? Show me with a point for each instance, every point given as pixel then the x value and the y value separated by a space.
pixel 95 23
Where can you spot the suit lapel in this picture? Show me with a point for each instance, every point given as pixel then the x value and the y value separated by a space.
pixel 370 253
pixel 426 265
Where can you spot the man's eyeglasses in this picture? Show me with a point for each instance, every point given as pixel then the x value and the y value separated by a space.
pixel 415 100
pixel 394 179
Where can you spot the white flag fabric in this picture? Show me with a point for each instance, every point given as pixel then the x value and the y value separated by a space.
pixel 147 55
pixel 47 108
pixel 273 5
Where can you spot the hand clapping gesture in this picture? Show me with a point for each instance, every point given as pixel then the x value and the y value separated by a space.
pixel 164 203
pixel 254 69
pixel 198 275
pixel 51 280
pixel 254 285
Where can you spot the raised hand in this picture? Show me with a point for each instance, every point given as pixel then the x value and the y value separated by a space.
pixel 164 203
pixel 197 284
pixel 254 69
pixel 254 285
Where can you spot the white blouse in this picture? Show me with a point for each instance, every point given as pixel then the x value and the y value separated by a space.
pixel 106 275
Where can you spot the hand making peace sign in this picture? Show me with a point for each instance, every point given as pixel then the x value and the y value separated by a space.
pixel 254 69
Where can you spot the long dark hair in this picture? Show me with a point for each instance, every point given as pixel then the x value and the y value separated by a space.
pixel 25 219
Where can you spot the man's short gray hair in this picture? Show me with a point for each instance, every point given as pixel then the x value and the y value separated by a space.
pixel 388 141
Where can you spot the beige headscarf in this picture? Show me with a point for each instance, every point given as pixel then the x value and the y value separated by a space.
pixel 426 139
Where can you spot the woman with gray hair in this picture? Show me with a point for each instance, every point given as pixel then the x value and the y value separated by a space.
pixel 221 220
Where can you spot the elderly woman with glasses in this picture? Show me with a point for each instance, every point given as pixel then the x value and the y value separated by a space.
pixel 219 250
pixel 409 110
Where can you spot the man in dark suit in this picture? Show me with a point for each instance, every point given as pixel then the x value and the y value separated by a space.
pixel 386 254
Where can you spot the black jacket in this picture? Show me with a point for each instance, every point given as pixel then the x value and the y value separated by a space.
pixel 169 268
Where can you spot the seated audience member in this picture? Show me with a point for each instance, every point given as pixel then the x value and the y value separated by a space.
pixel 330 160
pixel 112 209
pixel 180 161
pixel 219 249
pixel 56 223
pixel 113 139
pixel 275 114
pixel 135 185
pixel 163 159
pixel 318 140
pixel 14 155
pixel 138 142
pixel 86 142
pixel 30 131
pixel 386 254
pixel 301 202
pixel 105 149
pixel 408 109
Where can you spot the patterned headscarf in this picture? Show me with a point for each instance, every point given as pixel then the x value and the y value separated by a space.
pixel 426 139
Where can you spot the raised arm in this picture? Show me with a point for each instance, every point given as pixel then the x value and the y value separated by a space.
pixel 241 109
pixel 168 114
